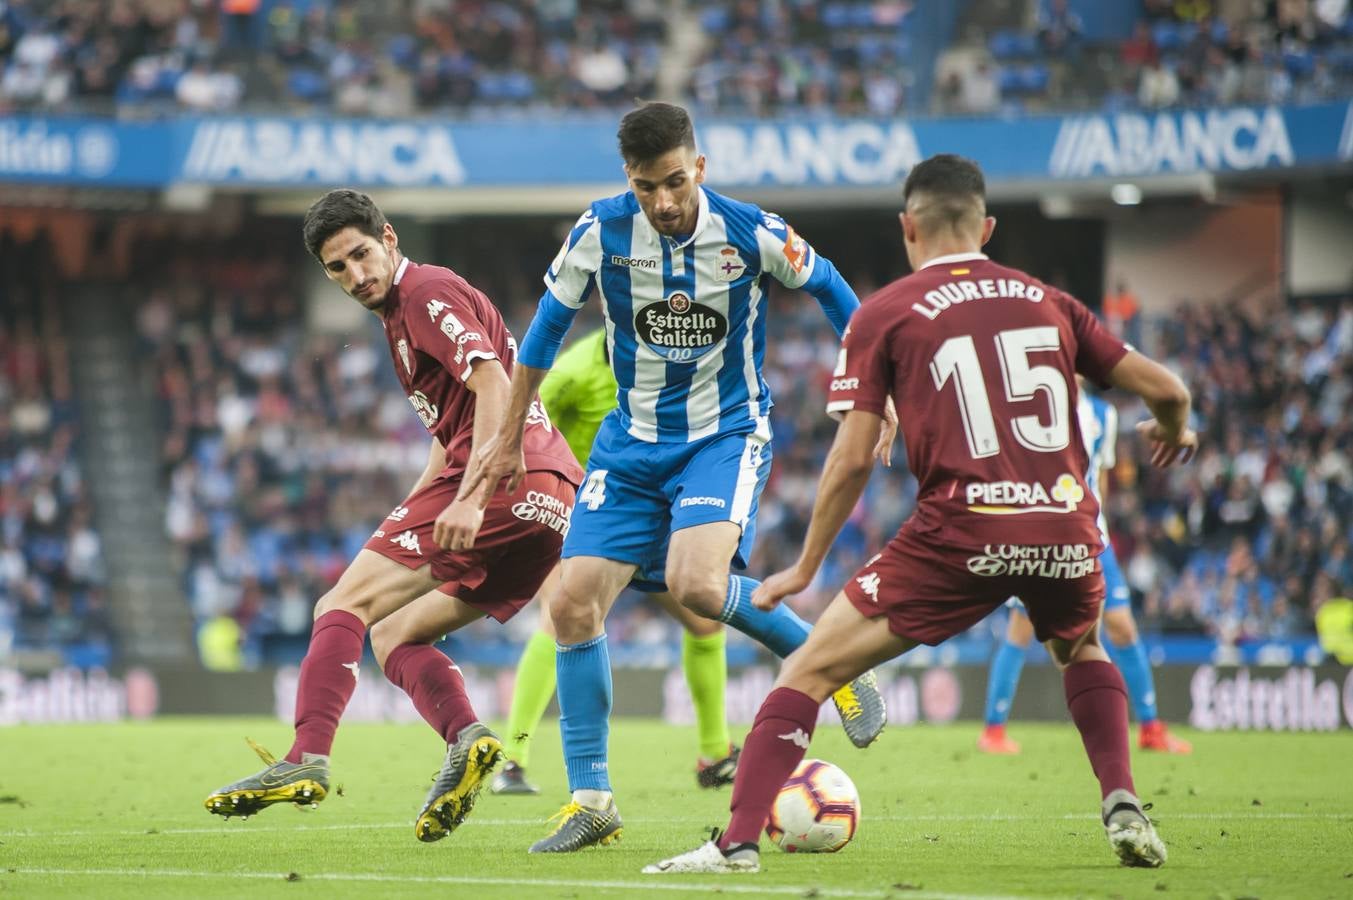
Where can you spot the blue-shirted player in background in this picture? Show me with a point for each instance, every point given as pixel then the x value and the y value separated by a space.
pixel 676 470
pixel 1099 428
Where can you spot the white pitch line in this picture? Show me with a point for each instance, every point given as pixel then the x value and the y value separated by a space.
pixel 242 828
pixel 657 883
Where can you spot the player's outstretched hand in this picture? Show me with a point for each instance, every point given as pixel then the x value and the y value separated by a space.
pixel 1167 449
pixel 887 434
pixel 458 526
pixel 779 586
pixel 491 462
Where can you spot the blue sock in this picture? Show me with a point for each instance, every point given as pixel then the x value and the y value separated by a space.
pixel 1003 680
pixel 1136 668
pixel 584 676
pixel 780 630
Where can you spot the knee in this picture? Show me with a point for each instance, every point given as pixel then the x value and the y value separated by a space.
pixel 576 614
pixel 1120 627
pixel 385 637
pixel 348 601
pixel 702 627
pixel 702 593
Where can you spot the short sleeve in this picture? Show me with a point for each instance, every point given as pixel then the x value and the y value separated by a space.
pixel 863 377
pixel 1097 350
pixel 444 324
pixel 572 274
pixel 785 256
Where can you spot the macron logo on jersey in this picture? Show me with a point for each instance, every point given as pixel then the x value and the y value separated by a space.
pixel 633 262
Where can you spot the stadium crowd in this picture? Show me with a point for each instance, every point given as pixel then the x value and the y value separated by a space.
pixel 355 57
pixel 751 57
pixel 52 573
pixel 1177 53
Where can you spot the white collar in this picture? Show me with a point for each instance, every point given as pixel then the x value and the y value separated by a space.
pixel 954 258
pixel 399 273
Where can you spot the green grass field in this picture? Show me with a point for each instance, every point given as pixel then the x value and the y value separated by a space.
pixel 116 811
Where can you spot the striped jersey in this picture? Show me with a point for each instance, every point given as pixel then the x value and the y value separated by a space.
pixel 1099 431
pixel 685 318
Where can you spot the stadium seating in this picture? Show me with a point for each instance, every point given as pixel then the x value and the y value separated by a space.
pixel 51 564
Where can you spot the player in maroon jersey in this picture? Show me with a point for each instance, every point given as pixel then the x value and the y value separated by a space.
pixel 441 559
pixel 981 361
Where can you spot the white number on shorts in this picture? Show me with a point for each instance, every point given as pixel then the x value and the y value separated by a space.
pixel 594 491
pixel 957 357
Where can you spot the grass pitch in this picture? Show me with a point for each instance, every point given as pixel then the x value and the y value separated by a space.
pixel 116 811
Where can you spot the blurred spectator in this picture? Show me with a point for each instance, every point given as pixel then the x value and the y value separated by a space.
pixel 52 572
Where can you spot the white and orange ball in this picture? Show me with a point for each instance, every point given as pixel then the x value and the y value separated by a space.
pixel 816 811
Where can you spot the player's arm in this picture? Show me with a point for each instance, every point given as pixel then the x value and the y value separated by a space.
pixel 1169 401
pixel 457 525
pixel 793 262
pixel 844 477
pixel 567 285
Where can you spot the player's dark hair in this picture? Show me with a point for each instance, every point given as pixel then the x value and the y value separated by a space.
pixel 653 129
pixel 946 174
pixel 339 209
pixel 952 187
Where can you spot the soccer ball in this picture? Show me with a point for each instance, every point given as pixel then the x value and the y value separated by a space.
pixel 817 810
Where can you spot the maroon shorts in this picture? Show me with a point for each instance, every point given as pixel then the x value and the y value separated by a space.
pixel 517 545
pixel 931 592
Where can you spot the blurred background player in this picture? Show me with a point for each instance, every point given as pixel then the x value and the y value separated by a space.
pixel 578 393
pixel 983 359
pixel 677 470
pixel 453 355
pixel 1099 429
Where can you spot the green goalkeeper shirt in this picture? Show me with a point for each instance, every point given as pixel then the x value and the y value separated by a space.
pixel 580 391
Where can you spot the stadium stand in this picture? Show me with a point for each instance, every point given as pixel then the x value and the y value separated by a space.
pixel 51 562
pixel 358 58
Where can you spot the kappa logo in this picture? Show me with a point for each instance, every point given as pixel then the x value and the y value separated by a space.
pixel 435 308
pixel 403 347
pixel 797 737
pixel 870 585
pixel 408 540
pixel 354 668
pixel 426 409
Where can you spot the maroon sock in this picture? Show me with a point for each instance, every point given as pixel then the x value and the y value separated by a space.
pixel 434 684
pixel 328 678
pixel 776 744
pixel 1099 706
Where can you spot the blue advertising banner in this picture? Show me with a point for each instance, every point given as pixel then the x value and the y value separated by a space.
pixel 809 153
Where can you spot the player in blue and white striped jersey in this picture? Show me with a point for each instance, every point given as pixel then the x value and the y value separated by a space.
pixel 676 471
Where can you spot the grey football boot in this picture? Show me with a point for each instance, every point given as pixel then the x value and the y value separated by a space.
pixel 305 784
pixel 863 712
pixel 581 826
pixel 468 763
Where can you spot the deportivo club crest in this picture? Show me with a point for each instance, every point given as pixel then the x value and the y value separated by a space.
pixel 728 265
pixel 403 347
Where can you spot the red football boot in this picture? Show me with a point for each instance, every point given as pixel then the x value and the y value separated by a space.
pixel 994 740
pixel 1155 736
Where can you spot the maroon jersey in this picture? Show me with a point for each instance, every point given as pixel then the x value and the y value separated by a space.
pixel 981 362
pixel 437 325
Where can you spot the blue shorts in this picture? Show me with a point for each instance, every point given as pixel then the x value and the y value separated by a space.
pixel 637 493
pixel 1116 592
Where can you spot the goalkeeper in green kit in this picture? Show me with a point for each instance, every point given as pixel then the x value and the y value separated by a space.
pixel 578 393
